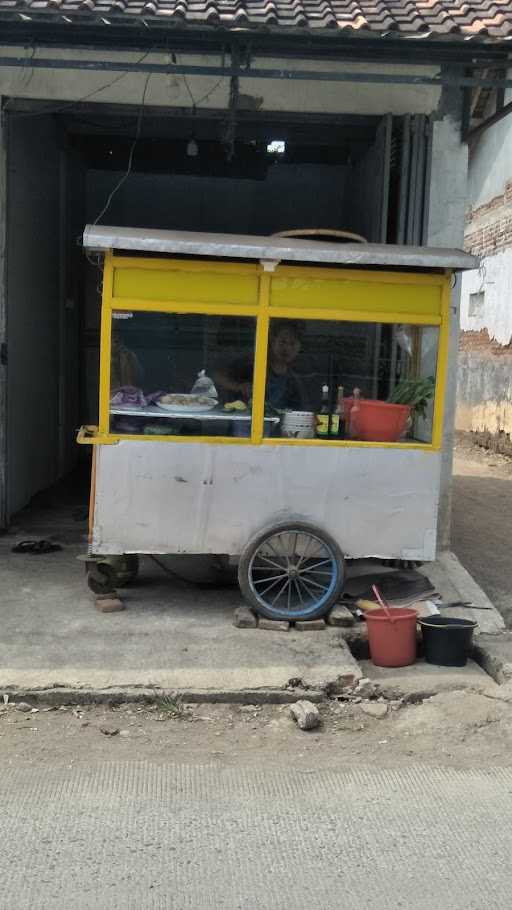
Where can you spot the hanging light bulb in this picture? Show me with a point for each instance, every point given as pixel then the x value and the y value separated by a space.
pixel 192 148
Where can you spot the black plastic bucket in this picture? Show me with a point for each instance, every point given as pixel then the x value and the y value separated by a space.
pixel 447 640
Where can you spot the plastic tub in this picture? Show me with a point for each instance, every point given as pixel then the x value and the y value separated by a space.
pixel 392 644
pixel 447 641
pixel 379 421
pixel 298 424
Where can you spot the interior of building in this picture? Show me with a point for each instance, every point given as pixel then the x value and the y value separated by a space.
pixel 173 169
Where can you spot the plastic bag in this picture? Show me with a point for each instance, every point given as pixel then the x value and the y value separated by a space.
pixel 204 386
pixel 128 395
pixel 404 338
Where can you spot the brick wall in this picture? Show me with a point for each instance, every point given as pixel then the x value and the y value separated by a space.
pixel 479 342
pixel 489 227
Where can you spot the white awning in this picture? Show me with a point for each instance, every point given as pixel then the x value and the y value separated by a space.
pixel 274 249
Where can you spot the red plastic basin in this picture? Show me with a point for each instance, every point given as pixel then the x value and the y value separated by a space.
pixel 378 421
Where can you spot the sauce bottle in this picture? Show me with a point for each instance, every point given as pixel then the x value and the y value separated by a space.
pixel 338 432
pixel 354 415
pixel 322 415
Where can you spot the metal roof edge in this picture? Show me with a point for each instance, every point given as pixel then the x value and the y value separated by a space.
pixel 242 246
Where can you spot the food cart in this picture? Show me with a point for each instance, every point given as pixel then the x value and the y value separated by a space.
pixel 216 433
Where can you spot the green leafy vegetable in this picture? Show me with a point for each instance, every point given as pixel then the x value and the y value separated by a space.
pixel 414 392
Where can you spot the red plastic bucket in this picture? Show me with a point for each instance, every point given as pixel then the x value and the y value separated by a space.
pixel 379 421
pixel 392 644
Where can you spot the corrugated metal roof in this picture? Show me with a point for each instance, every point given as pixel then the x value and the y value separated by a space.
pixel 239 246
pixel 401 17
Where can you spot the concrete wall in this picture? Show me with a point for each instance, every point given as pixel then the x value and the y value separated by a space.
pixel 484 405
pixel 32 309
pixel 446 229
pixel 213 91
pixel 490 161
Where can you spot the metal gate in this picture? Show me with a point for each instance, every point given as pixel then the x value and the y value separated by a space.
pixel 413 149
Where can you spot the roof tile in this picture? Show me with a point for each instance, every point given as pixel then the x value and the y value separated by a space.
pixel 407 17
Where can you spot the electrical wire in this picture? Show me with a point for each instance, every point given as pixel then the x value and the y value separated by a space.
pixel 128 171
pixel 189 90
pixel 197 101
pixel 69 105
pixel 210 92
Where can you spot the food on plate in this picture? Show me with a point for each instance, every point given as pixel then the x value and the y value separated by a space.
pixel 235 406
pixel 177 400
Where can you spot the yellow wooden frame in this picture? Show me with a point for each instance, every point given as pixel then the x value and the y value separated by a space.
pixel 263 312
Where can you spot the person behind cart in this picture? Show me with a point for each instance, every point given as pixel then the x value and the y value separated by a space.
pixel 284 387
pixel 125 369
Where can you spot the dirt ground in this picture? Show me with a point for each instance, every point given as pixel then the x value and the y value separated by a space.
pixel 482 521
pixel 457 729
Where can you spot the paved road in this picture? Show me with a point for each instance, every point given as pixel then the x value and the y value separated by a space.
pixel 137 836
pixel 482 527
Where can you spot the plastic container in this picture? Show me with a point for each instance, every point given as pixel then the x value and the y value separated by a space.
pixel 298 424
pixel 392 644
pixel 447 641
pixel 379 421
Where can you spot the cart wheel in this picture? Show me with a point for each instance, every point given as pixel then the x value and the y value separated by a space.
pixel 126 570
pixel 292 571
pixel 100 577
pixel 111 572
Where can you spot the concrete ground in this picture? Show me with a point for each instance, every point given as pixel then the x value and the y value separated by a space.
pixel 172 635
pixel 140 836
pixel 234 807
pixel 482 522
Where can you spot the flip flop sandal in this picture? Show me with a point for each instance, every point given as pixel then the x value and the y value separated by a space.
pixel 36 546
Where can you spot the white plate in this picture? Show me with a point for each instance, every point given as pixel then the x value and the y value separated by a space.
pixel 192 405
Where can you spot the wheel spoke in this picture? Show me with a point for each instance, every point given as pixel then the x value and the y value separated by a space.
pixel 316 584
pixel 284 549
pixel 278 595
pixel 271 547
pixel 271 562
pixel 271 585
pixel 289 596
pixel 263 581
pixel 311 593
pixel 323 562
pixel 297 585
pixel 306 551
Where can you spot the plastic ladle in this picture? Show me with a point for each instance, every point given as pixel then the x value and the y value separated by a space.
pixel 383 603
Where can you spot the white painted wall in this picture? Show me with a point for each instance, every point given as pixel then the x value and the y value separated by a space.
pixel 490 168
pixel 485 385
pixel 490 161
pixel 495 280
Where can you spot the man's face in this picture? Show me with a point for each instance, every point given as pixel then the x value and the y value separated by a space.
pixel 285 346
